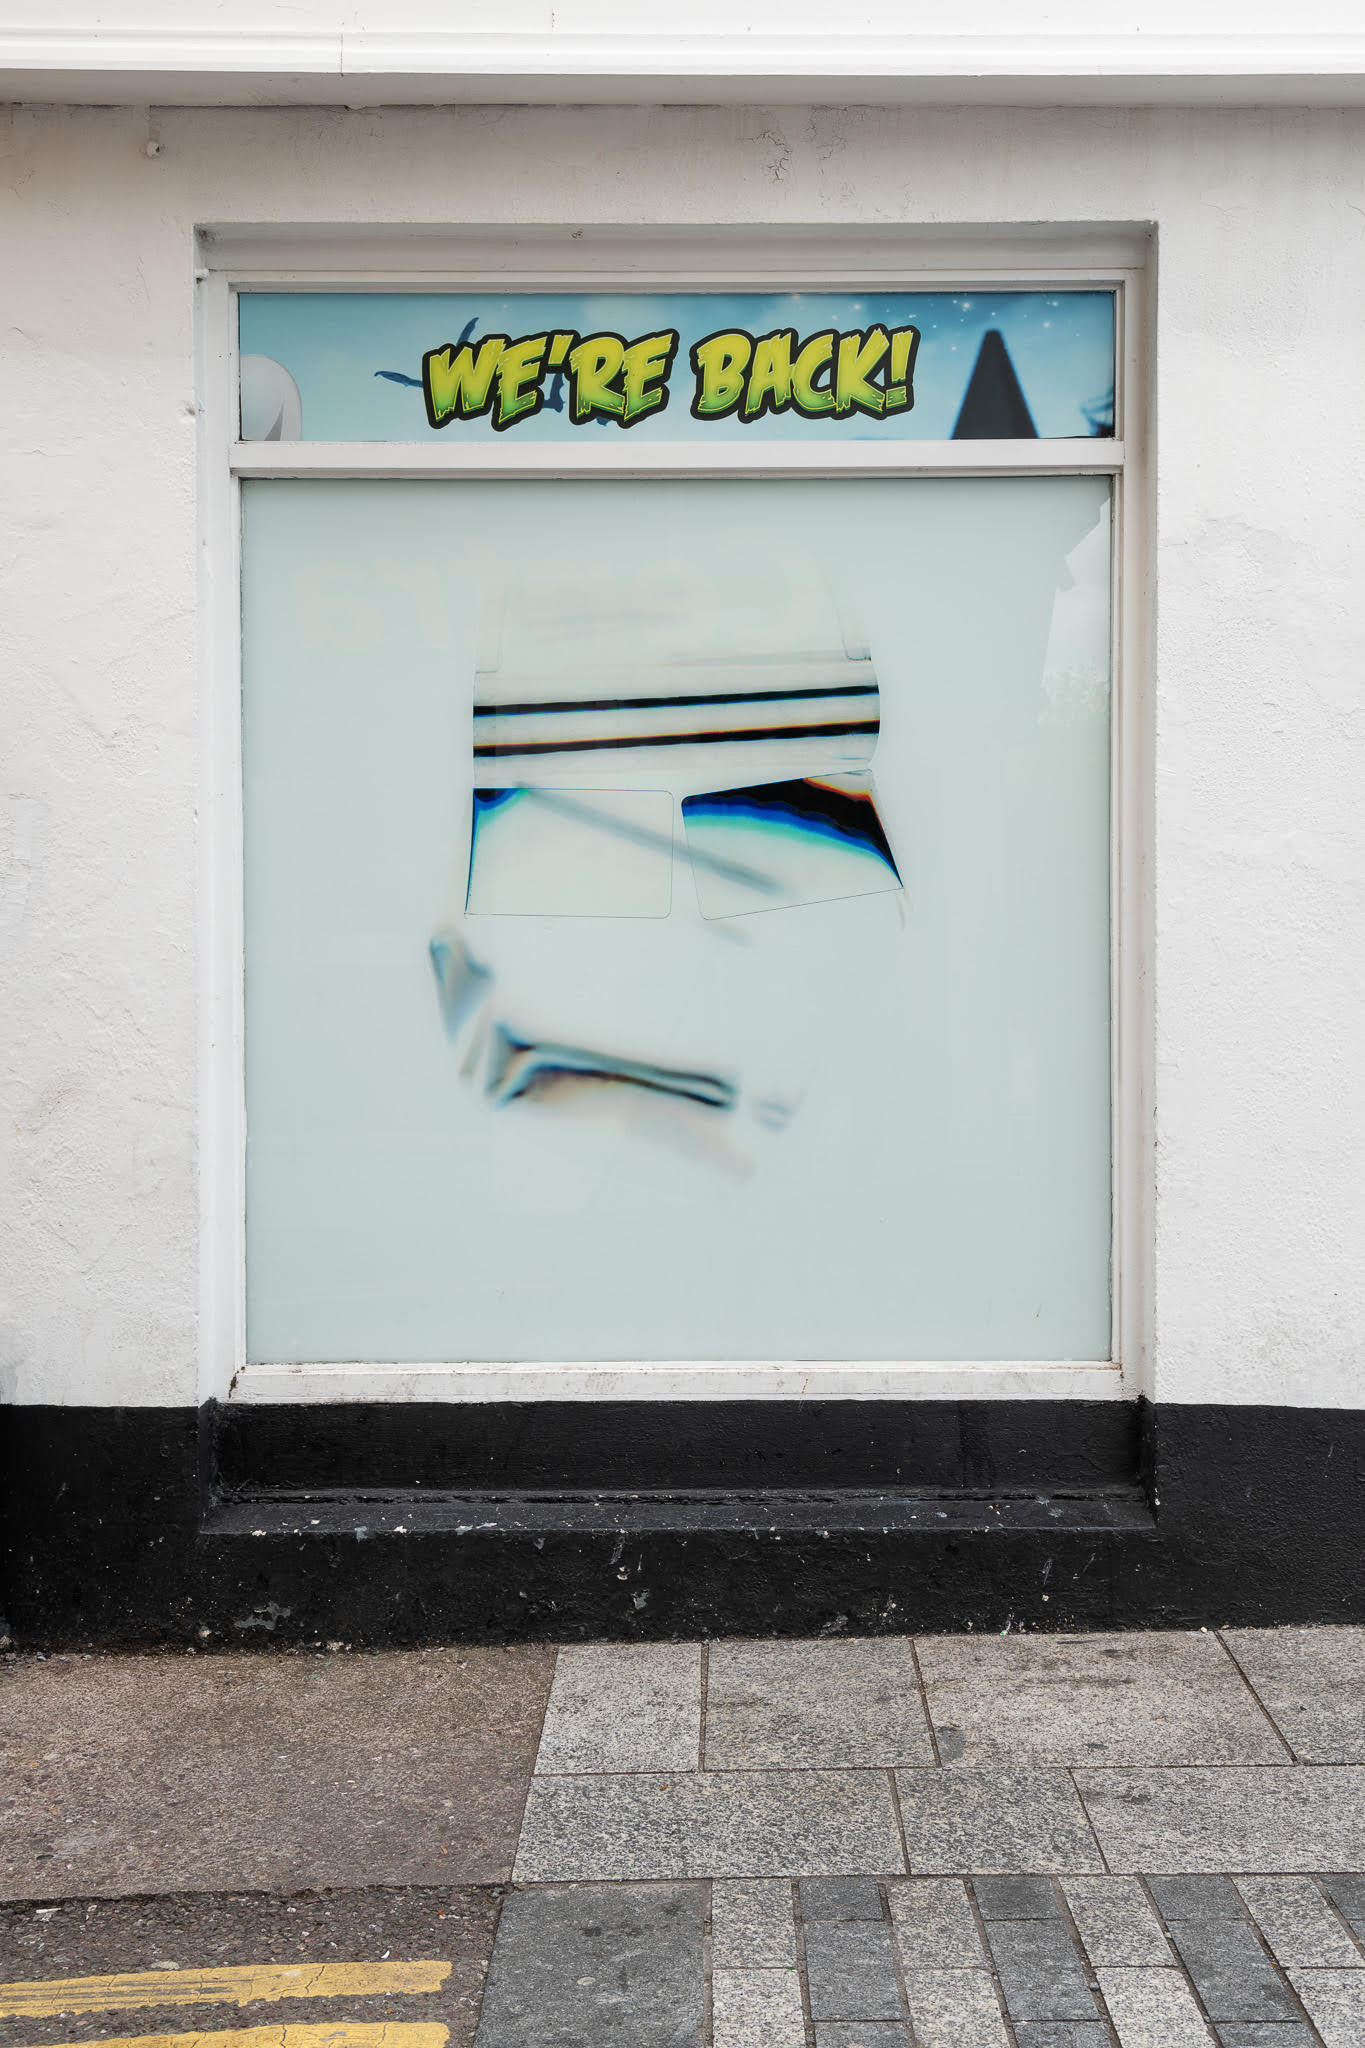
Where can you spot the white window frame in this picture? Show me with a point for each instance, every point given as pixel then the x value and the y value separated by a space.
pixel 768 259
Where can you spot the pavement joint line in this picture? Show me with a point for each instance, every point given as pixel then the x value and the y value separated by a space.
pixel 1237 1666
pixel 701 1718
pixel 1273 1961
pixel 989 1953
pixel 1178 1959
pixel 897 1966
pixel 899 1817
pixel 802 1979
pixel 1092 1975
pixel 708 1968
pixel 924 1703
pixel 1332 1907
pixel 230 1984
pixel 337 2034
pixel 1094 1831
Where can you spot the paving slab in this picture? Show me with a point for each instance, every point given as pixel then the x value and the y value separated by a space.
pixel 1062 2034
pixel 840 1898
pixel 861 2034
pixel 755 2009
pixel 955 2009
pixel 1264 2034
pixel 753 1925
pixel 1016 1898
pixel 575 1966
pixel 1153 2009
pixel 849 1971
pixel 1346 1889
pixel 1233 1820
pixel 1118 1699
pixel 1116 1923
pixel 709 1824
pixel 1335 2002
pixel 623 1707
pixel 1230 1970
pixel 1040 1972
pixel 211 1931
pixel 265 1773
pixel 934 1925
pixel 1197 1898
pixel 1312 1682
pixel 808 1706
pixel 995 1820
pixel 1300 1926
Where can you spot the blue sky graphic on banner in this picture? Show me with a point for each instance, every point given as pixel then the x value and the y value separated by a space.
pixel 873 366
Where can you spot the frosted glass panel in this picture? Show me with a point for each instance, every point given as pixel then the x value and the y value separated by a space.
pixel 807 1054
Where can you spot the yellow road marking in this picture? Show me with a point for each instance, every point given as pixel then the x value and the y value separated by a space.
pixel 344 2034
pixel 236 1984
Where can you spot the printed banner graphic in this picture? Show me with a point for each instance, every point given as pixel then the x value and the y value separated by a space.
pixel 995 365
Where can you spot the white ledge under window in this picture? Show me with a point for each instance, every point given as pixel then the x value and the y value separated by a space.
pixel 671 1380
pixel 176 64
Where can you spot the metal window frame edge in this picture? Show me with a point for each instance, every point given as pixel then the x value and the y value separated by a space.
pixel 233 259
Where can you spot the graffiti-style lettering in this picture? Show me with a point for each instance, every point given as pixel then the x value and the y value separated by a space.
pixel 813 361
pixel 829 375
pixel 720 364
pixel 457 383
pixel 520 369
pixel 859 355
pixel 620 380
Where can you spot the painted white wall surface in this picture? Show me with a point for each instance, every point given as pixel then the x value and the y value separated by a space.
pixel 1259 1274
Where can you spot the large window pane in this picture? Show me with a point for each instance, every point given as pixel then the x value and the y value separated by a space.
pixel 771 1018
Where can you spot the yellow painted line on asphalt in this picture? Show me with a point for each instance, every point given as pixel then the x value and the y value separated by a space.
pixel 234 1984
pixel 343 2034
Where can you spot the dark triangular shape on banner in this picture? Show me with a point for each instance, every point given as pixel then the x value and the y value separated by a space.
pixel 994 408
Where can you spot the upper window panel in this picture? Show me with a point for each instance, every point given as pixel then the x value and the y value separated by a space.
pixel 701 366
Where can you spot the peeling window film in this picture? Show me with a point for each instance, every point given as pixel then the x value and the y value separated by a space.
pixel 782 843
pixel 527 1077
pixel 567 853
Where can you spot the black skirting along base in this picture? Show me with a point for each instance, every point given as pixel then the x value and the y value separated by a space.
pixel 395 1523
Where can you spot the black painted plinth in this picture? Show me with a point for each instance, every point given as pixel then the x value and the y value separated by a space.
pixel 395 1525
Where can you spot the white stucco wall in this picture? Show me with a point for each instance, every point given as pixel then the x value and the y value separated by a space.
pixel 1259 1219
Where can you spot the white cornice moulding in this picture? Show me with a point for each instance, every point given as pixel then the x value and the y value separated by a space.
pixel 214 66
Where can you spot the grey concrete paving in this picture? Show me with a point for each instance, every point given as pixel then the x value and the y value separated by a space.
pixel 757 2009
pixel 829 1897
pixel 1116 1924
pixel 995 1820
pixel 1129 1699
pixel 808 1706
pixel 955 2009
pixel 850 1972
pixel 709 1824
pixel 95 1938
pixel 1301 1927
pixel 859 2034
pixel 1230 1971
pixel 1258 1820
pixel 1153 2009
pixel 1335 2002
pixel 752 1925
pixel 935 1927
pixel 258 1773
pixel 624 1707
pixel 840 1898
pixel 1312 1680
pixel 1039 1970
pixel 578 1965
